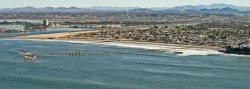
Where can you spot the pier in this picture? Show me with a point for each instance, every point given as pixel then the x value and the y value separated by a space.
pixel 86 52
pixel 105 51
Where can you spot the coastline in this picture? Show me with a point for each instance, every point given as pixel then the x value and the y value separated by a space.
pixel 52 35
pixel 185 50
pixel 64 36
pixel 168 48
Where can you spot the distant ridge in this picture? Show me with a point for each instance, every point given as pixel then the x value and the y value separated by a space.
pixel 212 6
pixel 215 10
pixel 225 8
pixel 141 10
pixel 113 8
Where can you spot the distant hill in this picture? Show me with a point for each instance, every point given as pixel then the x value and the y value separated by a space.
pixel 141 10
pixel 212 6
pixel 113 8
pixel 224 8
pixel 215 10
pixel 186 7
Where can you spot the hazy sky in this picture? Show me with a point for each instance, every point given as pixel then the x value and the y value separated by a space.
pixel 121 3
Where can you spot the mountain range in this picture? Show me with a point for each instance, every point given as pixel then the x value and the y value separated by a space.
pixel 186 8
pixel 212 6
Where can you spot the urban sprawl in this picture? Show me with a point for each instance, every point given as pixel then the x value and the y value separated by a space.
pixel 207 29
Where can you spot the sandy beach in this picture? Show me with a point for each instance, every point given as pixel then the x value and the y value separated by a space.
pixel 184 49
pixel 52 36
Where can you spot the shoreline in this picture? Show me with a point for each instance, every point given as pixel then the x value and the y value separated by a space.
pixel 51 35
pixel 64 36
pixel 168 48
pixel 171 48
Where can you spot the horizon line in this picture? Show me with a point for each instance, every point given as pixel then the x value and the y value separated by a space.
pixel 121 6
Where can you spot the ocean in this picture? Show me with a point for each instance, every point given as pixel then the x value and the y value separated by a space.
pixel 156 70
pixel 47 31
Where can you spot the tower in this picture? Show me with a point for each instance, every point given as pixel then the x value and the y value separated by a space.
pixel 45 22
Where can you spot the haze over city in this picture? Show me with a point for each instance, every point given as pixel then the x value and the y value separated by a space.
pixel 115 3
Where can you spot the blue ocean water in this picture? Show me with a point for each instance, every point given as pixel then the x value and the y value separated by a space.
pixel 49 30
pixel 8 27
pixel 22 20
pixel 117 71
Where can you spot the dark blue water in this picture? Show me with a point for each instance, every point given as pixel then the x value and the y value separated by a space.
pixel 126 71
pixel 49 30
pixel 21 20
pixel 10 27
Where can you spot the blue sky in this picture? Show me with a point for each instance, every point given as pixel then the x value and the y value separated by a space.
pixel 121 3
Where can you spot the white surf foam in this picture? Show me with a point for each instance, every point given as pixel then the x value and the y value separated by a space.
pixel 203 52
pixel 169 48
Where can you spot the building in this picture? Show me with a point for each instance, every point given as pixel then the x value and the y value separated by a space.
pixel 45 22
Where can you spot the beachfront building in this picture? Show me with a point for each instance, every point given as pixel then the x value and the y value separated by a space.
pixel 46 22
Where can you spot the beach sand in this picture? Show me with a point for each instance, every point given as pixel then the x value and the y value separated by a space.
pixel 63 37
pixel 51 36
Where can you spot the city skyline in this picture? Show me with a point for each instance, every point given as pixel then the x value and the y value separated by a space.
pixel 117 3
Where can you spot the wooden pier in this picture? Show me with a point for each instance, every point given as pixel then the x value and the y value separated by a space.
pixel 113 51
